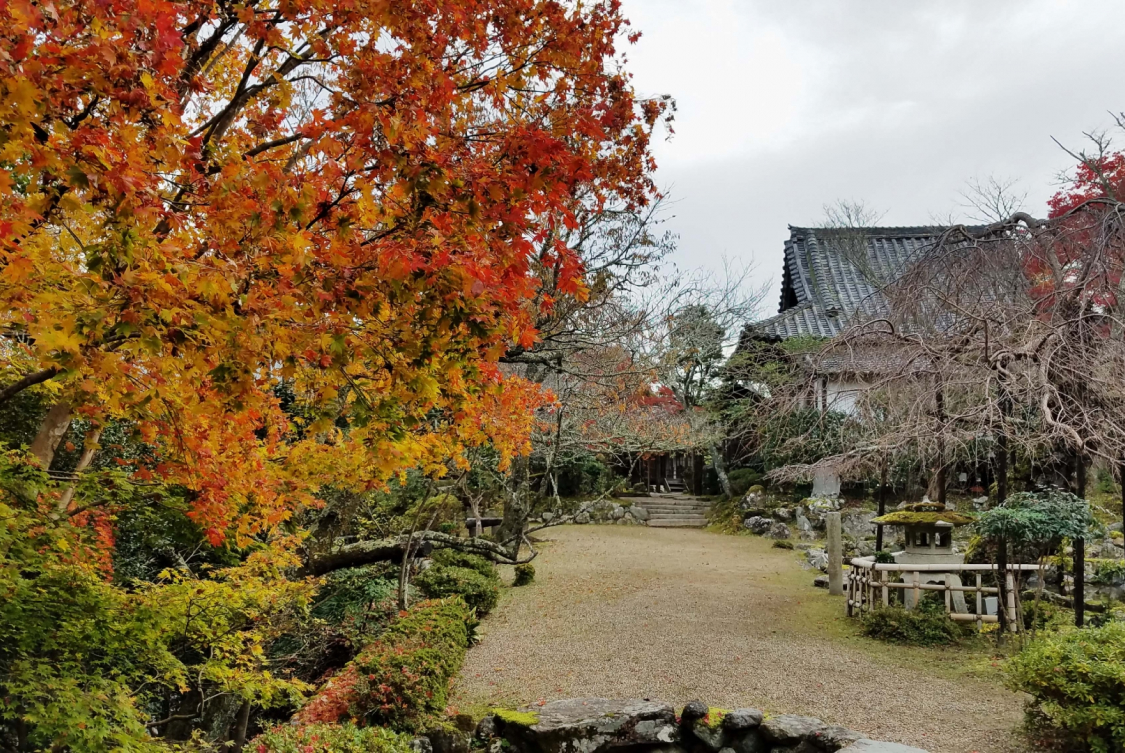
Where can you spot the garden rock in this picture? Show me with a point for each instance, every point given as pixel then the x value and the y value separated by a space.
pixel 783 513
pixel 803 524
pixel 694 711
pixel 817 559
pixel 779 531
pixel 980 504
pixel 750 742
pixel 790 729
pixel 486 729
pixel 582 518
pixel 857 523
pixel 740 720
pixel 547 517
pixel 617 513
pixel 593 725
pixel 448 741
pixel 639 512
pixel 820 581
pixel 832 739
pixel 712 738
pixel 758 525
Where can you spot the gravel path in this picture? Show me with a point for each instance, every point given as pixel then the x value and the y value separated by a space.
pixel 678 615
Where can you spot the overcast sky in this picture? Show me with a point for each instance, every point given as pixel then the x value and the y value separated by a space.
pixel 786 105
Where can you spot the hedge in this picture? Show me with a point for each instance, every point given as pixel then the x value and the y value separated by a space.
pixel 457 558
pixel 401 679
pixel 479 592
pixel 1076 679
pixel 330 738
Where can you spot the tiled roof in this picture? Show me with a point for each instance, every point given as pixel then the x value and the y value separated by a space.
pixel 831 275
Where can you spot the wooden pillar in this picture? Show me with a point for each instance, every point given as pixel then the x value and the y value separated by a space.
pixel 835 555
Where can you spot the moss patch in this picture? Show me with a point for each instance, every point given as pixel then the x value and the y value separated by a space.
pixel 520 718
pixel 908 517
pixel 714 718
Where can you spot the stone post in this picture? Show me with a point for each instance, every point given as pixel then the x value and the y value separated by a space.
pixel 835 555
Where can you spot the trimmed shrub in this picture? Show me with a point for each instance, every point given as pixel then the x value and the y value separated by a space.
pixel 330 738
pixel 402 679
pixel 525 574
pixel 457 558
pixel 742 479
pixel 479 591
pixel 1076 679
pixel 926 625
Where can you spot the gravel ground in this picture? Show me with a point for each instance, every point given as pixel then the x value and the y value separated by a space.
pixel 682 614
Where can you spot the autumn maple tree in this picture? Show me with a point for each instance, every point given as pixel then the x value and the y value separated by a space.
pixel 206 205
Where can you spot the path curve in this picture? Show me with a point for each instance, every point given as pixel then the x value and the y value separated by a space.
pixel 679 615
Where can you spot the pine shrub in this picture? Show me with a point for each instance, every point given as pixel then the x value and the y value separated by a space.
pixel 525 574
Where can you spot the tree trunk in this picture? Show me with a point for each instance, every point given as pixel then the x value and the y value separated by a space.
pixel 882 507
pixel 697 474
pixel 51 432
pixel 939 400
pixel 720 470
pixel 1121 474
pixel 516 508
pixel 1002 583
pixel 242 721
pixel 89 449
pixel 1080 547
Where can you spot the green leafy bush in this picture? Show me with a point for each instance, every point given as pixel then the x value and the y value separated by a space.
pixel 525 574
pixel 1107 572
pixel 330 738
pixel 884 558
pixel 1076 679
pixel 479 591
pixel 457 558
pixel 783 544
pixel 1044 615
pixel 926 625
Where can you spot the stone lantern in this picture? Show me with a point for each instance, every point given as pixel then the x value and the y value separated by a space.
pixel 928 527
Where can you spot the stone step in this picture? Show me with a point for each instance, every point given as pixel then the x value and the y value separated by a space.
pixel 693 523
pixel 699 510
pixel 675 515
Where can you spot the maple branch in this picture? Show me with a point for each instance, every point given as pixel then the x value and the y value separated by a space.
pixel 28 380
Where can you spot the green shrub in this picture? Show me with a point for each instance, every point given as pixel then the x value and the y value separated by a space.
pixel 782 544
pixel 1045 615
pixel 457 558
pixel 1076 679
pixel 401 680
pixel 1107 572
pixel 741 479
pixel 525 574
pixel 330 738
pixel 479 592
pixel 884 557
pixel 350 599
pixel 926 625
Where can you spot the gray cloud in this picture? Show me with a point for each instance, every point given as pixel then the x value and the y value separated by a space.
pixel 788 106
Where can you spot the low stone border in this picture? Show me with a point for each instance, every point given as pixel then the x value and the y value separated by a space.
pixel 598 725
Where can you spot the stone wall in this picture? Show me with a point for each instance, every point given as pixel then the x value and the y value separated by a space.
pixel 598 725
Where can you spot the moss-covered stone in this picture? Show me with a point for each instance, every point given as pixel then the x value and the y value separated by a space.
pixel 520 718
pixel 911 517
